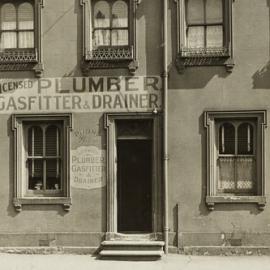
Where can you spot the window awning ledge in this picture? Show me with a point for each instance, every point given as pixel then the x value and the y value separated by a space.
pixel 212 200
pixel 65 201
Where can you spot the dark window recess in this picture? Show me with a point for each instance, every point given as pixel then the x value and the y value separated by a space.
pixel 44 157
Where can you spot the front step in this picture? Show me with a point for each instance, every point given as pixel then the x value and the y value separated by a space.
pixel 132 248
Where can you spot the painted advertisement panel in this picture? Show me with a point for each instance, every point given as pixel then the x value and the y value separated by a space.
pixel 81 94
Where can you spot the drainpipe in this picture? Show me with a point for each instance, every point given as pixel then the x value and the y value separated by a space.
pixel 165 126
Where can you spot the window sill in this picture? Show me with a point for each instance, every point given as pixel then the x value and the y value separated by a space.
pixel 65 201
pixel 107 58
pixel 110 53
pixel 20 60
pixel 212 200
pixel 189 58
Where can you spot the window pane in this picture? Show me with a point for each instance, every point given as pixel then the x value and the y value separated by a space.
pixel 9 40
pixel 101 38
pixel 119 37
pixel 245 139
pixel 214 11
pixel 226 173
pixel 214 36
pixel 35 141
pixel 195 37
pixel 120 14
pixel 195 11
pixel 8 17
pixel 52 141
pixel 26 16
pixel 35 172
pixel 227 139
pixel 101 14
pixel 26 39
pixel 53 174
pixel 245 172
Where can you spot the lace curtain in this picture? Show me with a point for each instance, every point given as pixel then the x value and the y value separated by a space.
pixel 236 162
pixel 200 32
pixel 24 23
pixel 110 24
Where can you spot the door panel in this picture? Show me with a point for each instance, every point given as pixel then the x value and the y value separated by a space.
pixel 134 185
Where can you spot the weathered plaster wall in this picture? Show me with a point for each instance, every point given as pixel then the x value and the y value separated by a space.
pixel 211 88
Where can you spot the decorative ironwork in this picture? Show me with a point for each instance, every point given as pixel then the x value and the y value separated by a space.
pixel 88 66
pixel 18 56
pixel 110 54
pixel 204 52
pixel 204 57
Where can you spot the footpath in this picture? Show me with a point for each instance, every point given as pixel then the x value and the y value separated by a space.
pixel 170 262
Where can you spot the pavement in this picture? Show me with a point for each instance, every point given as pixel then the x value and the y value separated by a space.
pixel 169 262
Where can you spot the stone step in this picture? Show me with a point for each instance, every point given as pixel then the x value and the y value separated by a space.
pixel 132 248
pixel 132 243
pixel 131 253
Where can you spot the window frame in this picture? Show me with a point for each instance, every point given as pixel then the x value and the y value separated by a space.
pixel 24 59
pixel 107 57
pixel 22 195
pixel 44 157
pixel 17 30
pixel 211 118
pixel 111 28
pixel 236 123
pixel 187 57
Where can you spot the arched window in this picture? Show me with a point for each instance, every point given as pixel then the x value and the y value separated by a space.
pixel 17 25
pixel 44 157
pixel 110 23
pixel 8 26
pixel 245 139
pixel 235 174
pixel 227 139
pixel 26 25
pixel 236 157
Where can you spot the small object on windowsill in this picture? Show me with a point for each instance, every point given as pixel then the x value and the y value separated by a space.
pixel 38 186
pixel 56 186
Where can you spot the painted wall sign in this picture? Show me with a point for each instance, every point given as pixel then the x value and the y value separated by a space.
pixel 80 94
pixel 88 167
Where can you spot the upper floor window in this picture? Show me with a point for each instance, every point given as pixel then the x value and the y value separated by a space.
pixel 204 25
pixel 17 25
pixel 110 34
pixel 110 23
pixel 20 40
pixel 204 33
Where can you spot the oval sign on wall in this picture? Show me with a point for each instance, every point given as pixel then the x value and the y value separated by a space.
pixel 88 169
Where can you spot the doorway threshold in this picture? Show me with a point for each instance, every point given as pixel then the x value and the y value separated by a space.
pixel 134 236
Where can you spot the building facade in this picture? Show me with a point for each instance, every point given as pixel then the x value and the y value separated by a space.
pixel 133 126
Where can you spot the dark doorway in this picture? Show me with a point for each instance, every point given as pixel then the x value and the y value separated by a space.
pixel 134 185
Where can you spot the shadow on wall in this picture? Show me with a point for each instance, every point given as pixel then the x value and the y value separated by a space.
pixel 261 78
